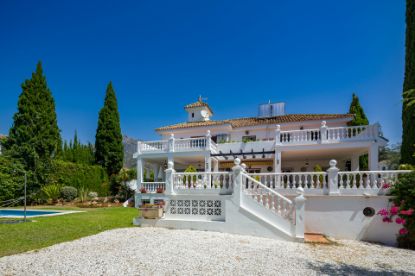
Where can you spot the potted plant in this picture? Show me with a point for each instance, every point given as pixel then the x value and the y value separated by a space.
pixel 143 190
pixel 159 190
pixel 151 211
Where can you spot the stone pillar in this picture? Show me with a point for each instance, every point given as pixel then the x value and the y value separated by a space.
pixel 299 202
pixel 277 137
pixel 332 175
pixel 355 163
pixel 323 132
pixel 170 178
pixel 171 143
pixel 237 181
pixel 208 140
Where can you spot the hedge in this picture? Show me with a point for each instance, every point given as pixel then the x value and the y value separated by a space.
pixel 92 177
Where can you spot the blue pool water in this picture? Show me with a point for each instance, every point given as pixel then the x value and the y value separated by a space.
pixel 20 213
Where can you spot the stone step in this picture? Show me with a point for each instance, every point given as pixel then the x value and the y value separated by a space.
pixel 316 238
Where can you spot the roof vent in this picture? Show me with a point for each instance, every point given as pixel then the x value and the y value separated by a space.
pixel 271 109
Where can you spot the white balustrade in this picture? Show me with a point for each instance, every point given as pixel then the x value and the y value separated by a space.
pixel 368 180
pixel 159 146
pixel 300 136
pixel 293 180
pixel 190 144
pixel 152 187
pixel 268 198
pixel 202 180
pixel 352 133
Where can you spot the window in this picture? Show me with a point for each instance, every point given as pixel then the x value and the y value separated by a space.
pixel 193 114
pixel 222 138
pixel 249 138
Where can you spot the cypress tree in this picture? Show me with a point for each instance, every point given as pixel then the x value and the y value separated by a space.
pixel 359 119
pixel 408 111
pixel 35 137
pixel 108 139
pixel 355 108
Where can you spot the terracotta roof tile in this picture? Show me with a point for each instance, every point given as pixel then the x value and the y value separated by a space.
pixel 199 103
pixel 254 121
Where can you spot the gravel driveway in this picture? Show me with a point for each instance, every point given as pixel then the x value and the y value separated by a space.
pixel 158 251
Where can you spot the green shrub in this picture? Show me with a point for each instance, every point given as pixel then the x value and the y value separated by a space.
pixel 403 194
pixel 52 191
pixel 83 194
pixel 90 177
pixel 11 179
pixel 69 193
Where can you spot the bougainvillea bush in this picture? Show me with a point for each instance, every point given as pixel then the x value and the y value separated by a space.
pixel 402 210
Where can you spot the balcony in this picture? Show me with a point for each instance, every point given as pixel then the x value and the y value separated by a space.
pixel 176 145
pixel 322 135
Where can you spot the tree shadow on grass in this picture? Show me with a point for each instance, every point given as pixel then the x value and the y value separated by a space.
pixel 346 269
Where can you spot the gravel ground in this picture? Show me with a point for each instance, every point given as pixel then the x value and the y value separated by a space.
pixel 158 251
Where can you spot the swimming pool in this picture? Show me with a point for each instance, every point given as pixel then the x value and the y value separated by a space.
pixel 14 213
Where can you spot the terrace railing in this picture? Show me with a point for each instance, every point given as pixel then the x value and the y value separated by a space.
pixel 202 181
pixel 151 187
pixel 177 145
pixel 292 180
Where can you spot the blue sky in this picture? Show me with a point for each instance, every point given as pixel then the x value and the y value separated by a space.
pixel 161 55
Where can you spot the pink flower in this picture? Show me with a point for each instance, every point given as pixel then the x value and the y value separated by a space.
pixel 407 212
pixel 386 186
pixel 394 210
pixel 403 231
pixel 383 212
pixel 400 221
pixel 386 219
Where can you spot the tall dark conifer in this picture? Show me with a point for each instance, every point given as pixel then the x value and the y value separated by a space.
pixel 359 119
pixel 35 137
pixel 108 139
pixel 408 112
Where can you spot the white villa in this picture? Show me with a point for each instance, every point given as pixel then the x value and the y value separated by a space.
pixel 275 175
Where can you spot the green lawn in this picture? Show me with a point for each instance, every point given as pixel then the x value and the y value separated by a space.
pixel 46 231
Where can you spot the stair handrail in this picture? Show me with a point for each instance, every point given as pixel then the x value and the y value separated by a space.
pixel 268 189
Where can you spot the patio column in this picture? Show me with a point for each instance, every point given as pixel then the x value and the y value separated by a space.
pixel 156 172
pixel 139 173
pixel 355 163
pixel 373 157
pixel 277 156
pixel 208 168
pixel 215 165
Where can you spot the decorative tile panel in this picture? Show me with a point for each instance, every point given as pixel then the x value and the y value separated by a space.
pixel 185 207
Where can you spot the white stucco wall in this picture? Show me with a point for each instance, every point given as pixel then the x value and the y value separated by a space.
pixel 342 217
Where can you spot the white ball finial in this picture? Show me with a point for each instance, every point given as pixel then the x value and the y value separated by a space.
pixel 323 123
pixel 333 163
pixel 237 161
pixel 171 135
pixel 208 132
pixel 300 191
pixel 278 127
pixel 170 165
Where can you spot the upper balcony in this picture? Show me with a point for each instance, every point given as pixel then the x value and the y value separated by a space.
pixel 322 135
